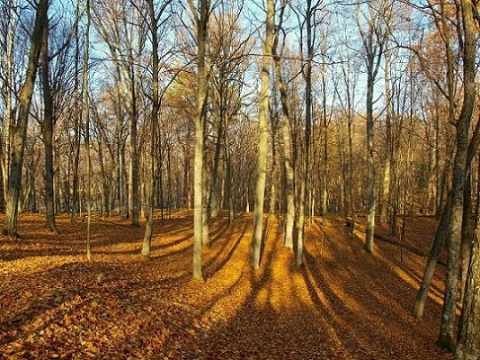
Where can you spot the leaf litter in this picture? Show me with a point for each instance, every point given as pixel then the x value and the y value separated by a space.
pixel 342 304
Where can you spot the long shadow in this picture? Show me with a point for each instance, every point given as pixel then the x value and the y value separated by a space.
pixel 55 287
pixel 221 257
pixel 360 302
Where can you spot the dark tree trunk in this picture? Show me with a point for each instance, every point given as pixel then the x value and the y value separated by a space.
pixel 19 133
pixel 48 124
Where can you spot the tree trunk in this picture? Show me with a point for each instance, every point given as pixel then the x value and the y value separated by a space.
pixel 48 124
pixel 214 200
pixel 228 175
pixel 370 166
pixel 86 114
pixel 308 125
pixel 287 146
pixel 9 116
pixel 263 115
pixel 150 185
pixel 198 214
pixel 388 144
pixel 74 202
pixel 468 347
pixel 134 188
pixel 466 241
pixel 446 338
pixel 19 133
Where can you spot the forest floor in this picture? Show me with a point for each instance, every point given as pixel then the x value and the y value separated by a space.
pixel 343 304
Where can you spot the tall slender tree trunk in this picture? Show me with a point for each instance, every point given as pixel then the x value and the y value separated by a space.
pixel 446 338
pixel 205 193
pixel 228 175
pixel 86 114
pixel 370 166
pixel 287 146
pixel 198 214
pixel 468 346
pixel 374 37
pixel 388 144
pixel 9 115
pixel 308 125
pixel 75 146
pixel 466 241
pixel 133 174
pixel 263 115
pixel 48 124
pixel 214 200
pixel 272 208
pixel 19 131
pixel 324 137
pixel 150 185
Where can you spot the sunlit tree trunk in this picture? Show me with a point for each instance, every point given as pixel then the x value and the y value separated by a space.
pixel 388 143
pixel 372 28
pixel 287 141
pixel 201 23
pixel 8 122
pixel 263 115
pixel 19 131
pixel 446 338
pixel 305 177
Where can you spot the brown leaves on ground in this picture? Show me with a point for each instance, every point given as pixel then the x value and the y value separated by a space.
pixel 343 304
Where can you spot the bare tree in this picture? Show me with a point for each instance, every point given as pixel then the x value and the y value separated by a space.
pixel 372 25
pixel 155 20
pixel 86 117
pixel 263 115
pixel 19 130
pixel 286 132
pixel 120 27
pixel 201 17
pixel 9 25
pixel 446 338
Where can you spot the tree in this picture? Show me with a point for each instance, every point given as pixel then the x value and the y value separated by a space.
pixel 346 98
pixel 120 28
pixel 445 85
pixel 19 130
pixel 446 338
pixel 48 123
pixel 450 225
pixel 468 347
pixel 154 18
pixel 263 115
pixel 309 11
pixel 286 133
pixel 86 116
pixel 372 26
pixel 201 16
pixel 9 24
pixel 228 48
